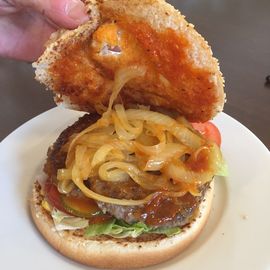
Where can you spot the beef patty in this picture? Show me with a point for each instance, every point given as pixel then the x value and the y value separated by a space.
pixel 159 212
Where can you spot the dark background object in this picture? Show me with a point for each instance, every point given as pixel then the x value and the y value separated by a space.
pixel 238 32
pixel 267 81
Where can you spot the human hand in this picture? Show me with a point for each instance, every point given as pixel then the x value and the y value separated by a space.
pixel 25 25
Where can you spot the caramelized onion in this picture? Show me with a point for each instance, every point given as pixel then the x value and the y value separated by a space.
pixel 179 173
pixel 122 76
pixel 135 127
pixel 181 132
pixel 154 150
pixel 159 160
pixel 100 155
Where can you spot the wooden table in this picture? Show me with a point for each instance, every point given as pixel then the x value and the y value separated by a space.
pixel 239 33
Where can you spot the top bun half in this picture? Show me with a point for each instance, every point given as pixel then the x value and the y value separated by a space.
pixel 79 65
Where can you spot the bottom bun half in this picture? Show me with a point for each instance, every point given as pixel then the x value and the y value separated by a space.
pixel 105 252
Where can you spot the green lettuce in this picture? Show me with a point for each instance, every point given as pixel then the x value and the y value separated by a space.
pixel 115 228
pixel 222 169
pixel 121 229
pixel 217 161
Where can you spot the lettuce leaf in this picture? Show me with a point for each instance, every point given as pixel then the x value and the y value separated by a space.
pixel 121 229
pixel 217 161
pixel 168 231
pixel 222 168
pixel 63 221
pixel 115 228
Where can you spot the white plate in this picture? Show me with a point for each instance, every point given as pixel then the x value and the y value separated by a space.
pixel 237 235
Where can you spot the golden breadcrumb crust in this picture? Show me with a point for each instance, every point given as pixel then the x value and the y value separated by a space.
pixel 185 77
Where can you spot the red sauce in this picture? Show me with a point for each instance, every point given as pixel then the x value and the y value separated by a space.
pixel 76 78
pixel 102 218
pixel 86 82
pixel 200 162
pixel 160 210
pixel 166 50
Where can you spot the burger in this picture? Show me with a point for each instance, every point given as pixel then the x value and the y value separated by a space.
pixel 130 184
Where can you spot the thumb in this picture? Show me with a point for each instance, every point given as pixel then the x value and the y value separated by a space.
pixel 64 13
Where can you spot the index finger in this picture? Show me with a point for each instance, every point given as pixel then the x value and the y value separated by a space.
pixel 64 13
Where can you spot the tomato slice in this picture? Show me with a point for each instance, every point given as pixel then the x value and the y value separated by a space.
pixel 76 206
pixel 208 131
pixel 53 195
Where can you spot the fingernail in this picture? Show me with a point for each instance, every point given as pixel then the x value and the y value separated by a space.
pixel 76 10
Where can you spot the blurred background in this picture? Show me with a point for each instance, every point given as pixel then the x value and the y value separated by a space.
pixel 239 34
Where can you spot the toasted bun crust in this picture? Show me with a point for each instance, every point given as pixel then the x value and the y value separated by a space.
pixel 114 253
pixel 77 80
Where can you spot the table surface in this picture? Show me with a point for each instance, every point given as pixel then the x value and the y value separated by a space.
pixel 238 32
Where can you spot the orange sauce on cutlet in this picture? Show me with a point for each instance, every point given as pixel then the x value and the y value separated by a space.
pixel 163 53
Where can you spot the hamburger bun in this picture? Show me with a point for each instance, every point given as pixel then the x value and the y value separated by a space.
pixel 105 252
pixel 181 78
pixel 82 82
